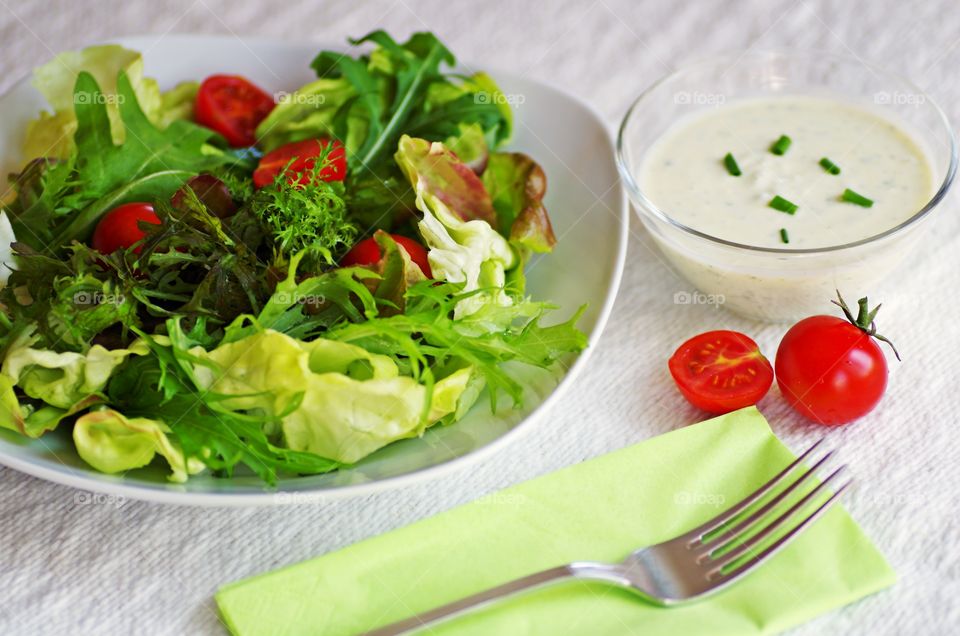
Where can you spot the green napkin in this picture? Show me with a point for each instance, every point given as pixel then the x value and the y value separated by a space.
pixel 598 510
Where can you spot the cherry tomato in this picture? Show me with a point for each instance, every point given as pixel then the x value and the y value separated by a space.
pixel 367 252
pixel 299 158
pixel 831 369
pixel 232 106
pixel 721 371
pixel 120 227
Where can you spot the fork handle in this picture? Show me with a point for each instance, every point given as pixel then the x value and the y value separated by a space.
pixel 596 571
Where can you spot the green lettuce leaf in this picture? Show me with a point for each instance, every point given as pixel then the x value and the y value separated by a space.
pixel 62 379
pixel 310 112
pixel 51 134
pixel 160 387
pixel 432 169
pixel 176 103
pixel 111 443
pixel 31 419
pixel 333 399
pixel 470 146
pixel 483 85
pixel 517 185
pixel 460 251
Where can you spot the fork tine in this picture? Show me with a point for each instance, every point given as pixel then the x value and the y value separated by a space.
pixel 774 525
pixel 785 539
pixel 698 532
pixel 732 533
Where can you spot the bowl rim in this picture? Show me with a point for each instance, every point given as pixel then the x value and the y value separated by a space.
pixel 644 206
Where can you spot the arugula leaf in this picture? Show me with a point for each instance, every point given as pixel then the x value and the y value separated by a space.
pixel 393 87
pixel 476 99
pixel 368 101
pixel 150 164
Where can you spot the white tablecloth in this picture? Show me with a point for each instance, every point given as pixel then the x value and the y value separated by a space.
pixel 69 565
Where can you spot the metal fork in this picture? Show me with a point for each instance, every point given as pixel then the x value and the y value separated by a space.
pixel 696 564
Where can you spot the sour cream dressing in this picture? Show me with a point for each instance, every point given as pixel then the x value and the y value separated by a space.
pixel 683 173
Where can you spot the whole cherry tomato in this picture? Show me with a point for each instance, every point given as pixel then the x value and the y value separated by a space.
pixel 120 227
pixel 831 369
pixel 299 159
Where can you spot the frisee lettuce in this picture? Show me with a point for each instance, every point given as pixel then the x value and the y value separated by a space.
pixel 306 217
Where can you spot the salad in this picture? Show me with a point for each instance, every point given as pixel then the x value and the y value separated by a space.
pixel 229 281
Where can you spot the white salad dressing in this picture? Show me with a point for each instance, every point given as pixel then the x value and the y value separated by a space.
pixel 683 173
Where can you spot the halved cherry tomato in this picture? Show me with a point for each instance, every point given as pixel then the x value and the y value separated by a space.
pixel 232 106
pixel 120 227
pixel 367 252
pixel 299 158
pixel 721 371
pixel 831 369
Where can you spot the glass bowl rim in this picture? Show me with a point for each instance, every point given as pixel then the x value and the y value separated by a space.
pixel 646 206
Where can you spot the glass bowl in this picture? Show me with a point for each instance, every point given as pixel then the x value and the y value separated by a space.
pixel 781 284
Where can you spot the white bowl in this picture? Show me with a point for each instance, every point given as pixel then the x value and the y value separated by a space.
pixel 586 204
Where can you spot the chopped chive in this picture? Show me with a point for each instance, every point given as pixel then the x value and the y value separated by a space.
pixel 781 145
pixel 731 165
pixel 852 197
pixel 784 237
pixel 829 166
pixel 779 203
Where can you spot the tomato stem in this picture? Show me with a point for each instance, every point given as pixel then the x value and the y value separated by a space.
pixel 864 319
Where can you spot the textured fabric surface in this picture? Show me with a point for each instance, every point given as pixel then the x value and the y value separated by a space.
pixel 80 564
